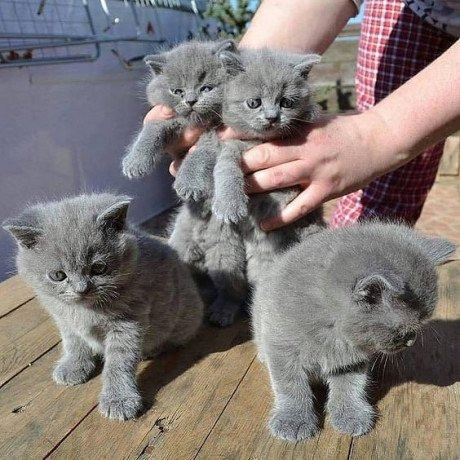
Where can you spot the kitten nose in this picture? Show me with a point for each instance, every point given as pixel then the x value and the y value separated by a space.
pixel 81 287
pixel 409 339
pixel 271 117
pixel 191 101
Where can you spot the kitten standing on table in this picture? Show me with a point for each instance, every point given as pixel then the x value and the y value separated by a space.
pixel 328 306
pixel 112 290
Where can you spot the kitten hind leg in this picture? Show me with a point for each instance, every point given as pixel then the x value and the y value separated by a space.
pixel 294 417
pixel 149 147
pixel 77 364
pixel 349 410
pixel 226 265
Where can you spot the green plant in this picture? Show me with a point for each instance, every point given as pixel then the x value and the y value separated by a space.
pixel 234 15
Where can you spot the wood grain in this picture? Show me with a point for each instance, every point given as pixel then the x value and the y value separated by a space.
pixel 36 413
pixel 13 292
pixel 190 388
pixel 242 432
pixel 27 333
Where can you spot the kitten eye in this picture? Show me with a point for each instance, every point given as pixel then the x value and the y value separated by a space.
pixel 206 88
pixel 177 91
pixel 253 103
pixel 58 275
pixel 286 103
pixel 98 268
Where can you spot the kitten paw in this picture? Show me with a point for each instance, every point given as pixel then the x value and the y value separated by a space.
pixel 222 314
pixel 191 192
pixel 353 421
pixel 292 426
pixel 230 212
pixel 70 372
pixel 120 407
pixel 134 166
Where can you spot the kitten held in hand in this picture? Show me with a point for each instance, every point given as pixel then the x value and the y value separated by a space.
pixel 112 291
pixel 329 306
pixel 188 79
pixel 269 97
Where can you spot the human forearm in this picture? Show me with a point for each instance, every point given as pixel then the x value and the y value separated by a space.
pixel 420 113
pixel 298 25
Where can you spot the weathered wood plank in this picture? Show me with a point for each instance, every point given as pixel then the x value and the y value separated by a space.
pixel 190 388
pixel 36 413
pixel 419 397
pixel 242 431
pixel 13 292
pixel 26 334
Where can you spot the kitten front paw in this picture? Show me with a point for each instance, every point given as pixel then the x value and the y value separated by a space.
pixel 120 407
pixel 354 421
pixel 188 191
pixel 135 166
pixel 230 211
pixel 70 372
pixel 293 425
pixel 222 313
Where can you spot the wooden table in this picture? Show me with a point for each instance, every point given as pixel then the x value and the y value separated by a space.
pixel 211 399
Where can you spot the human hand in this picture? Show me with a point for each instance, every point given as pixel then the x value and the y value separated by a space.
pixel 188 138
pixel 330 159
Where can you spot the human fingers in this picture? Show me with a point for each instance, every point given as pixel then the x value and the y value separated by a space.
pixel 226 134
pixel 159 112
pixel 174 167
pixel 281 176
pixel 268 155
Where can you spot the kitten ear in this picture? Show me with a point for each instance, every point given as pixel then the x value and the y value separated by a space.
pixel 24 229
pixel 370 288
pixel 156 62
pixel 226 45
pixel 438 250
pixel 114 217
pixel 231 62
pixel 307 64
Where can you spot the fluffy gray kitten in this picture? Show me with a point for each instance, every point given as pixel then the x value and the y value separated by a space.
pixel 112 291
pixel 328 306
pixel 267 97
pixel 189 79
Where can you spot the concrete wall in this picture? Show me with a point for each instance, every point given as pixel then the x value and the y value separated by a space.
pixel 63 128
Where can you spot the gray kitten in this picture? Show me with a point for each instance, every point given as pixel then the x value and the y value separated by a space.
pixel 267 97
pixel 112 291
pixel 189 79
pixel 328 306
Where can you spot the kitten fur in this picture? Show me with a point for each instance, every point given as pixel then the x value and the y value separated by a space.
pixel 272 77
pixel 123 295
pixel 189 79
pixel 328 306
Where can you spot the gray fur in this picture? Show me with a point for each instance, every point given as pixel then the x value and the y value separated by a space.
pixel 211 247
pixel 270 75
pixel 188 68
pixel 328 306
pixel 145 300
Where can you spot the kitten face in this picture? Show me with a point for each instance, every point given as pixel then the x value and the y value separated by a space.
pixel 269 97
pixel 77 251
pixel 389 310
pixel 189 79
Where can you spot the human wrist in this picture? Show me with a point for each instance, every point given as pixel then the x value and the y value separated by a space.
pixel 386 150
